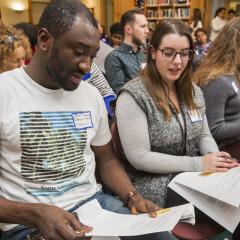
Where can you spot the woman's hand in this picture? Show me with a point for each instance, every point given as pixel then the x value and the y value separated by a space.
pixel 218 162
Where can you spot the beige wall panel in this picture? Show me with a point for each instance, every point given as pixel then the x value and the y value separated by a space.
pixel 121 6
pixel 36 11
pixel 9 16
pixel 96 6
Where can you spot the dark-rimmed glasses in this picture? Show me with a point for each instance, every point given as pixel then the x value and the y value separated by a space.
pixel 170 54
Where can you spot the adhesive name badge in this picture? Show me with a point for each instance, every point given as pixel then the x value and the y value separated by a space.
pixel 195 115
pixel 235 87
pixel 82 120
pixel 143 65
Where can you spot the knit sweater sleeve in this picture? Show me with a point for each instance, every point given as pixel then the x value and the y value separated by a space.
pixel 133 131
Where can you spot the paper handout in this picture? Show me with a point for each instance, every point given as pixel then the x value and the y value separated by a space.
pixel 217 194
pixel 223 213
pixel 106 223
pixel 224 186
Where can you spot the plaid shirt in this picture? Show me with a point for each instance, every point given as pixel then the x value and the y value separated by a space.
pixel 122 65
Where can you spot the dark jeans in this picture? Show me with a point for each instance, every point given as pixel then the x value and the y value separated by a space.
pixel 107 202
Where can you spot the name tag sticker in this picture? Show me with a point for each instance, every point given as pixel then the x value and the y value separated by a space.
pixel 143 65
pixel 195 116
pixel 82 120
pixel 235 87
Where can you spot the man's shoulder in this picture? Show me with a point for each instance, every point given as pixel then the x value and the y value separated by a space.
pixel 7 74
pixel 116 53
pixel 6 78
pixel 89 89
pixel 223 80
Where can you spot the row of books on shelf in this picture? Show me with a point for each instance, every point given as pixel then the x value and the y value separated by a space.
pixel 182 12
pixel 166 2
pixel 168 13
pixel 158 2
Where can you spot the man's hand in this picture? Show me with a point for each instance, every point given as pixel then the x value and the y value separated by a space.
pixel 57 224
pixel 137 204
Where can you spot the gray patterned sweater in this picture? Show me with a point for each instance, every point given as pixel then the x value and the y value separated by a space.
pixel 153 146
pixel 223 109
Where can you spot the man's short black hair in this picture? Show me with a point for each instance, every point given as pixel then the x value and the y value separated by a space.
pixel 59 16
pixel 129 17
pixel 231 11
pixel 219 10
pixel 116 29
pixel 29 30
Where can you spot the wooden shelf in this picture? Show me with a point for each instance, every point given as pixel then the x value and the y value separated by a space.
pixel 157 10
pixel 181 5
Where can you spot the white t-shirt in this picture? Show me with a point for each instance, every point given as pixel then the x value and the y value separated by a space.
pixel 217 24
pixel 45 138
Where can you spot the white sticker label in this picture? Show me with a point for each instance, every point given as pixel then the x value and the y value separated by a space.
pixel 195 116
pixel 82 120
pixel 143 65
pixel 235 87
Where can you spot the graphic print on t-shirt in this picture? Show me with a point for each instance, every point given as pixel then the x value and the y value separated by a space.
pixel 52 145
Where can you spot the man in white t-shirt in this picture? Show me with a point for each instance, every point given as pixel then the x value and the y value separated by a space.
pixel 54 131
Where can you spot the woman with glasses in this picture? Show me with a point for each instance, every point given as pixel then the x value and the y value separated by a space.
pixel 220 84
pixel 161 118
pixel 14 49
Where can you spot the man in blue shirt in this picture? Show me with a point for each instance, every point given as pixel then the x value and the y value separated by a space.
pixel 124 63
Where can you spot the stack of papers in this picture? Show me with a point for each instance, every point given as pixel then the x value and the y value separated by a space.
pixel 216 194
pixel 106 223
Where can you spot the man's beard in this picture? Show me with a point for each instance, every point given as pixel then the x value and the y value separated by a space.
pixel 60 80
pixel 138 41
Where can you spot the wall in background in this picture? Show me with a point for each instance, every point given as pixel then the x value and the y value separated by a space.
pixel 9 15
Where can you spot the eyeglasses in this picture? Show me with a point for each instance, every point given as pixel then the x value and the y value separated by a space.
pixel 170 54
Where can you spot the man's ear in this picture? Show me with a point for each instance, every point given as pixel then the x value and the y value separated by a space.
pixel 128 29
pixel 44 39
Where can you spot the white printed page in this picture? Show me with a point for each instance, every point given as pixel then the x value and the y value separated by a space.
pixel 222 186
pixel 93 215
pixel 223 213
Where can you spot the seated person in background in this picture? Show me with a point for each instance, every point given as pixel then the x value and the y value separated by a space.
pixel 14 49
pixel 54 134
pixel 219 77
pixel 195 21
pixel 161 117
pixel 97 79
pixel 116 35
pixel 104 37
pixel 2 25
pixel 201 46
pixel 217 23
pixel 125 62
pixel 30 31
pixel 231 14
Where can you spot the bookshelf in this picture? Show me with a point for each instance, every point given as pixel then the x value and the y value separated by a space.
pixel 157 10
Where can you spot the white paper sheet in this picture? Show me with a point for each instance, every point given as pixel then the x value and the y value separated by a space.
pixel 222 186
pixel 107 223
pixel 223 213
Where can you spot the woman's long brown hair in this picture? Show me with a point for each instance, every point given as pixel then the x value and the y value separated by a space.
pixel 223 57
pixel 153 80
